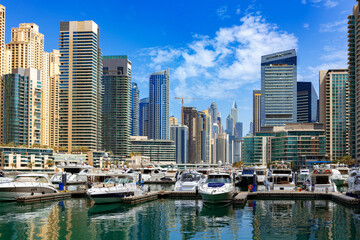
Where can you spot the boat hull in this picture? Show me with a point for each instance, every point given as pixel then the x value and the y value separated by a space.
pixel 12 193
pixel 115 197
pixel 217 198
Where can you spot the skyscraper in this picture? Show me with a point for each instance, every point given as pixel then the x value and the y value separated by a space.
pixel 332 103
pixel 179 134
pixel 159 101
pixel 116 106
pixel 256 110
pixel 22 107
pixel 190 120
pixel 54 79
pixel 306 102
pixel 144 117
pixel 213 113
pixel 235 113
pixel 80 85
pixel 230 124
pixel 27 51
pixel 134 110
pixel 222 148
pixel 239 130
pixel 3 65
pixel 278 85
pixel 353 92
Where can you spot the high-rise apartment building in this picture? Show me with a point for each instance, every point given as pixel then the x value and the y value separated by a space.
pixel 222 148
pixel 134 110
pixel 80 85
pixel 144 117
pixel 27 51
pixel 352 88
pixel 179 134
pixel 159 101
pixel 173 121
pixel 116 104
pixel 22 107
pixel 54 78
pixel 2 41
pixel 278 85
pixel 332 104
pixel 256 110
pixel 306 103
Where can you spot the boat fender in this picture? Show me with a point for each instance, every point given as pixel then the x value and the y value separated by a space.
pixel 250 187
pixel 328 171
pixel 316 171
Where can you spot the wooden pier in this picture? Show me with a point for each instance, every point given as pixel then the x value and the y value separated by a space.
pixel 44 197
pixel 179 195
pixel 139 199
pixel 160 182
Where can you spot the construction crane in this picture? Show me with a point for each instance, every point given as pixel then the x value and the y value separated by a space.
pixel 182 107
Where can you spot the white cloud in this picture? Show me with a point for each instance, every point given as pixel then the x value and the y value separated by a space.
pixel 238 11
pixel 318 3
pixel 338 26
pixel 219 66
pixel 306 25
pixel 222 12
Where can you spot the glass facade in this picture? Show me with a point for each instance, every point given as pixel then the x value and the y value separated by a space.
pixel 278 88
pixel 159 101
pixel 144 117
pixel 116 105
pixel 306 102
pixel 160 151
pixel 134 126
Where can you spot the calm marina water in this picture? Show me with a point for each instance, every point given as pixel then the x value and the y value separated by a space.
pixel 179 219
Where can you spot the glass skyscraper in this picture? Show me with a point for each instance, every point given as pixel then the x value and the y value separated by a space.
pixel 306 102
pixel 179 134
pixel 80 107
pixel 134 110
pixel 278 88
pixel 144 117
pixel 21 107
pixel 332 104
pixel 159 101
pixel 116 106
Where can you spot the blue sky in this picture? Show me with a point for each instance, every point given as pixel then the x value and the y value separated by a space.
pixel 212 47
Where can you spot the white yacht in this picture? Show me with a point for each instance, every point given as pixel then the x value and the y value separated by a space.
pixel 218 188
pixel 319 181
pixel 340 175
pixel 354 183
pixel 113 190
pixel 303 175
pixel 26 185
pixel 151 173
pixel 75 173
pixel 280 178
pixel 189 181
pixel 261 174
pixel 4 179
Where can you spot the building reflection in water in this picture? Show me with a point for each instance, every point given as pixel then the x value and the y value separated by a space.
pixel 179 219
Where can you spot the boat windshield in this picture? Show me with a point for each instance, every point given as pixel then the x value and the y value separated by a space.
pixel 344 172
pixel 218 179
pixel 260 172
pixel 118 180
pixel 281 171
pixel 248 171
pixel 188 177
pixel 38 179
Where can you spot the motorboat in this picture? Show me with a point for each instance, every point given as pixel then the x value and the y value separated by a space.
pixel 261 174
pixel 204 171
pixel 280 178
pixel 76 173
pixel 114 189
pixel 218 188
pixel 189 181
pixel 302 175
pixel 341 179
pixel 26 185
pixel 319 181
pixel 354 183
pixel 246 178
pixel 151 173
pixel 4 179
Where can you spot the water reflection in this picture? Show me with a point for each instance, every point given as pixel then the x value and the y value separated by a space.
pixel 179 219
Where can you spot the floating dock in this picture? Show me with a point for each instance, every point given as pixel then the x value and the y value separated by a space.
pixel 139 199
pixel 160 182
pixel 44 197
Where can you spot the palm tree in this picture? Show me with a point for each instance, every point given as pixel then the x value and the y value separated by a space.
pixel 50 163
pixel 30 165
pixel 63 149
pixel 12 166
